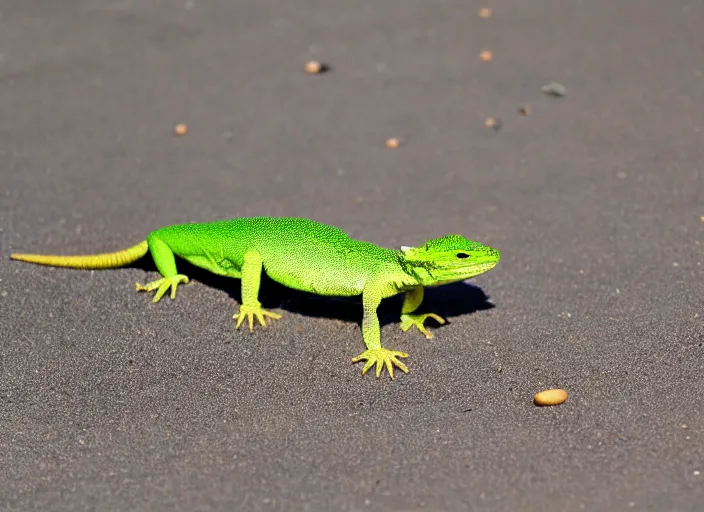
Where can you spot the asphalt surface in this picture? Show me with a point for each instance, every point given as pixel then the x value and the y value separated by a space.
pixel 110 402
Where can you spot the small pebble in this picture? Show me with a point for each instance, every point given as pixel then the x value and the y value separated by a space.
pixel 486 56
pixel 554 89
pixel 314 67
pixel 485 12
pixel 181 129
pixel 393 143
pixel 550 397
pixel 490 122
pixel 524 110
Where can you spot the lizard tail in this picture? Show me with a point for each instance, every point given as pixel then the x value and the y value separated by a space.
pixel 93 261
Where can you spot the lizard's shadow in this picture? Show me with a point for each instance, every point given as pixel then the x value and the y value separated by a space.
pixel 448 301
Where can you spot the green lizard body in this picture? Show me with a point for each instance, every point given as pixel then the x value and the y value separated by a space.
pixel 303 255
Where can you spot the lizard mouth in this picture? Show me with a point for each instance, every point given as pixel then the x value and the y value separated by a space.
pixel 449 270
pixel 448 276
pixel 467 269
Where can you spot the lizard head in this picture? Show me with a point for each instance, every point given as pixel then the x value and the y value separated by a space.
pixel 448 259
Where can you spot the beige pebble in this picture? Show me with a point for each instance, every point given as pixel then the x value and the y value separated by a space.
pixel 550 397
pixel 180 129
pixel 314 67
pixel 491 122
pixel 393 143
pixel 486 56
pixel 485 12
pixel 554 89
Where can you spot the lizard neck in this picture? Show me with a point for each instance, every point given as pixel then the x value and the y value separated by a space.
pixel 408 269
pixel 384 268
pixel 399 275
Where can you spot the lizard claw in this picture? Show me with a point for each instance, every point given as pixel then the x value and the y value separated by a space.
pixel 250 312
pixel 162 286
pixel 382 358
pixel 407 321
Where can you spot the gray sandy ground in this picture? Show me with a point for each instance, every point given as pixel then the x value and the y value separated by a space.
pixel 110 402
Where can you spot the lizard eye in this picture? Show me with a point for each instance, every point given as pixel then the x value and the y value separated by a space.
pixel 462 255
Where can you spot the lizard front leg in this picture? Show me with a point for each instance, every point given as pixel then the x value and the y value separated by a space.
pixel 251 307
pixel 371 333
pixel 411 302
pixel 165 262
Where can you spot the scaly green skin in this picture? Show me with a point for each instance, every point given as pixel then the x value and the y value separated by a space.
pixel 308 256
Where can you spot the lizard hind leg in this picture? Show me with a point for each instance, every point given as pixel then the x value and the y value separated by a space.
pixel 162 286
pixel 251 308
pixel 163 257
pixel 250 313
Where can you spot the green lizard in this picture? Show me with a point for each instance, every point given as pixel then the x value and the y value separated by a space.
pixel 303 255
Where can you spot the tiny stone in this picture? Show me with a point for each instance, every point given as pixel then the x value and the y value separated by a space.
pixel 554 89
pixel 550 397
pixel 314 67
pixel 490 122
pixel 393 143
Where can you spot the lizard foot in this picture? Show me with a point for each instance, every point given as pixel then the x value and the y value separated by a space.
pixel 381 357
pixel 162 286
pixel 407 321
pixel 249 312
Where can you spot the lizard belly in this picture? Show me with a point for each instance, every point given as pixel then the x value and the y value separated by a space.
pixel 330 281
pixel 219 266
